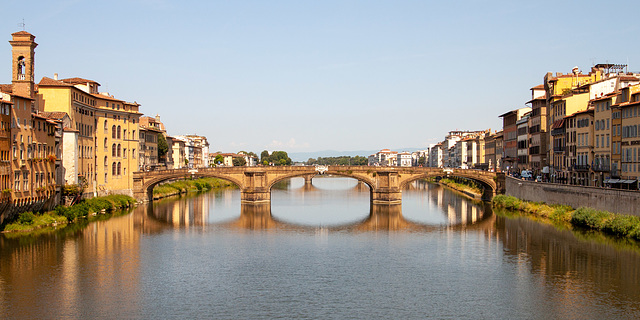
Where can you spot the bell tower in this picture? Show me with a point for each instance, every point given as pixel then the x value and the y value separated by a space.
pixel 22 62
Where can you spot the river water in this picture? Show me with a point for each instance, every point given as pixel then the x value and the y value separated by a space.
pixel 318 251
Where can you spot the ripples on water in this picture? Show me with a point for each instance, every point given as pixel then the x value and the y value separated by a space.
pixel 318 251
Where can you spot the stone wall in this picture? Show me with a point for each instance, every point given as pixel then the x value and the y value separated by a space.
pixel 613 200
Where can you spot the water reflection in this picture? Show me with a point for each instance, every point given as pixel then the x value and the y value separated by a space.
pixel 124 267
pixel 332 204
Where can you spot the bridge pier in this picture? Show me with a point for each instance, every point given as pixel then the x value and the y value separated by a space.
pixel 308 179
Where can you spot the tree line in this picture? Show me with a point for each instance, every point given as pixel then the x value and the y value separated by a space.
pixel 339 161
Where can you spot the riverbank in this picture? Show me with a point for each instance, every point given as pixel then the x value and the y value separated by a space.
pixel 28 222
pixel 470 191
pixel 185 186
pixel 620 225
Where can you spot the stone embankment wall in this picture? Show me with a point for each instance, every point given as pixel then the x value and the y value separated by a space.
pixel 613 200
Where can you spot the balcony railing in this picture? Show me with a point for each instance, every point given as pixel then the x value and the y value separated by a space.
pixel 581 167
pixel 558 149
pixel 601 167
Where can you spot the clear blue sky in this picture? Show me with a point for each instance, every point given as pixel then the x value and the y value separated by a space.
pixel 319 75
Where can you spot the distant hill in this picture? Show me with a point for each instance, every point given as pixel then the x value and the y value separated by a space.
pixel 304 156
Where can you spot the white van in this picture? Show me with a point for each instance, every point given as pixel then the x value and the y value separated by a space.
pixel 526 174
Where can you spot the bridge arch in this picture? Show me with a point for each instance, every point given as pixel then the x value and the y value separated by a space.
pixel 368 182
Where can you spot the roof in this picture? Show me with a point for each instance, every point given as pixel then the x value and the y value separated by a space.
pixel 55 115
pixel 629 78
pixel 77 80
pixel 538 87
pixel 48 82
pixel 6 88
pixel 508 113
pixel 589 110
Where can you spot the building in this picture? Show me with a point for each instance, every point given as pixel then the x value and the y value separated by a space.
pixel 538 135
pixel 510 135
pixel 5 149
pixel 196 150
pixel 105 130
pixel 630 138
pixel 178 153
pixel 32 158
pixel 579 147
pixel 403 159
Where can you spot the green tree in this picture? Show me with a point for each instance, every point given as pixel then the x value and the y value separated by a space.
pixel 264 156
pixel 280 158
pixel 422 161
pixel 163 148
pixel 218 159
pixel 239 161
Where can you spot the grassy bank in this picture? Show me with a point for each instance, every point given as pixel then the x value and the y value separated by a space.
pixel 29 221
pixel 184 186
pixel 461 186
pixel 607 222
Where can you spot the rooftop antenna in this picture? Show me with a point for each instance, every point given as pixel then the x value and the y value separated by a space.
pixel 22 24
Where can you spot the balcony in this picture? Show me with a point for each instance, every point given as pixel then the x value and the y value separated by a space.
pixel 558 149
pixel 581 167
pixel 601 167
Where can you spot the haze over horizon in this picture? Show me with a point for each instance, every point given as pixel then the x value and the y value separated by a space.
pixel 331 75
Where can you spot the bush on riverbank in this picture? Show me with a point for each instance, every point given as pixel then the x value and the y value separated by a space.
pixel 604 221
pixel 107 203
pixel 28 221
pixel 463 185
pixel 612 223
pixel 182 186
pixel 553 212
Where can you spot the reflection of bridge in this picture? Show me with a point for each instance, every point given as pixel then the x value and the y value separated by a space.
pixel 255 183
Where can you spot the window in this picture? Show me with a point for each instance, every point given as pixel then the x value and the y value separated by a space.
pixel 113 150
pixel 113 169
pixel 113 132
pixel 118 132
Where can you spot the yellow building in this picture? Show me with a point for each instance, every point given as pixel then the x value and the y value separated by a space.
pixel 565 94
pixel 630 138
pixel 605 130
pixel 106 127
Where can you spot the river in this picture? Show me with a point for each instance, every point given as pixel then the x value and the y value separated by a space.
pixel 319 251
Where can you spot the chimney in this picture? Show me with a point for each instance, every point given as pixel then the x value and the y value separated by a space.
pixel 55 76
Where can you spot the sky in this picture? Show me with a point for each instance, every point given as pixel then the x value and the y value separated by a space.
pixel 303 76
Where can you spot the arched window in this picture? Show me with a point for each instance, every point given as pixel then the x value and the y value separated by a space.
pixel 105 162
pixel 119 154
pixel 119 168
pixel 113 150
pixel 118 132
pixel 105 125
pixel 105 143
pixel 113 169
pixel 113 132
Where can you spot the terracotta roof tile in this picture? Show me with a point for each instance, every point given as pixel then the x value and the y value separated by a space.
pixel 51 82
pixel 55 114
pixel 77 80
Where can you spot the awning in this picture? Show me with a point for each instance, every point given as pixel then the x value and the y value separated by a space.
pixel 627 181
pixel 557 124
pixel 611 181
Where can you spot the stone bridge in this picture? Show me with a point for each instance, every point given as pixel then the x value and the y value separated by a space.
pixel 385 183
